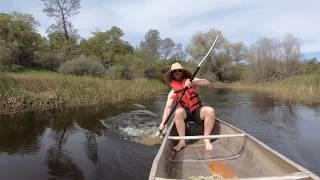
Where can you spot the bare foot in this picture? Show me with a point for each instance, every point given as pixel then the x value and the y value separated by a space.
pixel 208 145
pixel 179 146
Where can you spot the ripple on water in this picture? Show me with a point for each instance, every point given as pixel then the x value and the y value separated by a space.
pixel 138 125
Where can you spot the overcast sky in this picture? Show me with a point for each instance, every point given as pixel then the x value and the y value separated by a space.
pixel 239 20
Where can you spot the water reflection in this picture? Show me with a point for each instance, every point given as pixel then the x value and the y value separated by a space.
pixel 91 147
pixel 61 166
pixel 20 134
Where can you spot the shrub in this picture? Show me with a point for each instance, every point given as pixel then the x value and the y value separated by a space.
pixel 7 52
pixel 82 66
pixel 120 72
pixel 49 60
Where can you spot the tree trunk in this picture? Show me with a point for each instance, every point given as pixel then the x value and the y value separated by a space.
pixel 64 26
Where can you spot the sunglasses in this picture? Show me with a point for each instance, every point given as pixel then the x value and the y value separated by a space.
pixel 178 70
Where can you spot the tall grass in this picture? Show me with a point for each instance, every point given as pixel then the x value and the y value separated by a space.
pixel 43 90
pixel 299 89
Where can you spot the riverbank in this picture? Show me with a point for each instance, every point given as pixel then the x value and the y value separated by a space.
pixel 300 89
pixel 34 90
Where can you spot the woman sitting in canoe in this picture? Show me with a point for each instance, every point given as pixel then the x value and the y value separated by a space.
pixel 190 108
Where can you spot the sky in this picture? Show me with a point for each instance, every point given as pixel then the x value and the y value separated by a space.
pixel 239 20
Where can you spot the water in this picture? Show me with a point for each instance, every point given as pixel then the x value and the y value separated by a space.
pixel 117 143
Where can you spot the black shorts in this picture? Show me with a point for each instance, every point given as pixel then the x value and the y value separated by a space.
pixel 193 116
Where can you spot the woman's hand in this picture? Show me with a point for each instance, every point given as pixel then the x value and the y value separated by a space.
pixel 161 127
pixel 188 83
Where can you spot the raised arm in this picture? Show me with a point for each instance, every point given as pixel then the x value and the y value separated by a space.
pixel 201 82
pixel 167 109
pixel 198 82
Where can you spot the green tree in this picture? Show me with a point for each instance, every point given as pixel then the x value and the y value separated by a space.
pixel 19 37
pixel 62 10
pixel 108 46
pixel 166 48
pixel 149 48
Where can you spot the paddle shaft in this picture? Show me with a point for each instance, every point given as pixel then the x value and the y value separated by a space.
pixel 185 89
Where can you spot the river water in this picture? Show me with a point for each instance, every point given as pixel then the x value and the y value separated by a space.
pixel 119 143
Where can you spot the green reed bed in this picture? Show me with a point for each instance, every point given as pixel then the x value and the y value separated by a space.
pixel 300 89
pixel 44 90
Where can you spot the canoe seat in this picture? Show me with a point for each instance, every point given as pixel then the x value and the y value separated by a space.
pixel 205 137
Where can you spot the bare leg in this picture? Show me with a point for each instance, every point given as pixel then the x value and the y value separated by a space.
pixel 180 116
pixel 208 115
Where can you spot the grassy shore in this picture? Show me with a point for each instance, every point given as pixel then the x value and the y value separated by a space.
pixel 300 89
pixel 35 90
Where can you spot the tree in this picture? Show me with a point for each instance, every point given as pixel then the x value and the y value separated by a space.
pixel 264 56
pixel 291 48
pixel 58 42
pixel 201 42
pixel 62 10
pixel 19 38
pixel 237 51
pixel 291 53
pixel 115 33
pixel 108 46
pixel 275 59
pixel 178 54
pixel 7 52
pixel 150 46
pixel 166 48
pixel 200 45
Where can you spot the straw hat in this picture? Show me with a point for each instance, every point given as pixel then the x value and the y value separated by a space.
pixel 168 75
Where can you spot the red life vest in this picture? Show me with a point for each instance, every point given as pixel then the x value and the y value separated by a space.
pixel 190 100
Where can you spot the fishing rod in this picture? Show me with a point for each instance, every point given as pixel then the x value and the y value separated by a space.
pixel 185 89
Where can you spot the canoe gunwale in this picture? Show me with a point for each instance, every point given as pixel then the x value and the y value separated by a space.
pixel 153 170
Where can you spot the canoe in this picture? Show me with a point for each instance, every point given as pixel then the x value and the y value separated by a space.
pixel 235 154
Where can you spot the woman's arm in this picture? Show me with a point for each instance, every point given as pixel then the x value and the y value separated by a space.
pixel 167 109
pixel 198 82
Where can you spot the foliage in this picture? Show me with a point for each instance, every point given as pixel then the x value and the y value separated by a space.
pixel 150 46
pixel 62 10
pixel 108 46
pixel 310 66
pixel 166 48
pixel 49 59
pixel 219 62
pixel 82 66
pixel 57 41
pixel 19 39
pixel 7 52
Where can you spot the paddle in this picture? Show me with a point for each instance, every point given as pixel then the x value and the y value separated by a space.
pixel 185 89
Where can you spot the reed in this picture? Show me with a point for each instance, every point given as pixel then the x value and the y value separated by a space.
pixel 45 90
pixel 299 89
